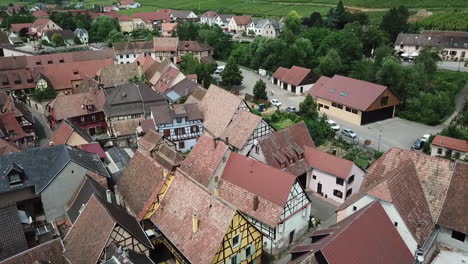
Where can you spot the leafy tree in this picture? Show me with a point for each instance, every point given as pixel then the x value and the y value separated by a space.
pixel 204 71
pixel 115 36
pixel 57 40
pixel 316 36
pixel 314 20
pixel 346 43
pixel 319 130
pixel 395 21
pixel 381 53
pixel 216 38
pixel 259 90
pixel 101 27
pixel 308 108
pixel 15 19
pixel 428 59
pixel 44 94
pixel 82 21
pixel 77 40
pixel 363 70
pixel 331 64
pixel 64 19
pixel 187 31
pixel 242 52
pixel 293 22
pixel 231 75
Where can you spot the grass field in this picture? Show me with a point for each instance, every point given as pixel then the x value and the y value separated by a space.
pixel 276 8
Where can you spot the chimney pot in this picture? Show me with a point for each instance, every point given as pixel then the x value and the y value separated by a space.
pixel 216 191
pixel 194 223
pixel 109 196
pixel 227 140
pixel 256 202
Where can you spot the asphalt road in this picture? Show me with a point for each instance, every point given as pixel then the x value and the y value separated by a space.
pixel 394 132
pixel 43 132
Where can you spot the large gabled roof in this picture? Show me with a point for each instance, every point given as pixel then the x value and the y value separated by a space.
pixel 454 211
pixel 12 238
pixel 366 237
pixel 40 165
pixel 64 131
pixel 203 159
pixel 328 163
pixel 241 128
pixel 450 143
pixel 140 182
pixel 347 91
pixel 173 218
pixel 243 178
pixel 218 107
pixel 48 252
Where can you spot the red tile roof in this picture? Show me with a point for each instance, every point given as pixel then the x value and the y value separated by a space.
pixel 48 252
pixel 144 61
pixel 296 75
pixel 140 183
pixel 40 13
pixel 288 141
pixel 166 80
pixel 203 159
pixel 454 212
pixel 166 44
pixel 347 91
pixel 11 127
pixel 241 128
pixel 210 14
pixel 124 17
pixel 163 15
pixel 258 178
pixel 242 20
pixel 63 132
pixel 60 76
pixel 280 72
pixel 68 106
pixel 146 16
pixel 168 27
pixel 194 46
pixel 93 148
pixel 328 163
pixel 126 2
pixel 354 241
pixel 40 23
pixel 7 147
pixel 450 143
pixel 18 27
pixel 185 198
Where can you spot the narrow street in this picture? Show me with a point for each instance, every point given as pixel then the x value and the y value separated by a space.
pixel 43 132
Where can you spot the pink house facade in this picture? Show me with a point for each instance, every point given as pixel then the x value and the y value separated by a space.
pixel 332 177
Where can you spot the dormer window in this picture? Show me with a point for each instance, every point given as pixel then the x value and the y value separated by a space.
pixel 15 179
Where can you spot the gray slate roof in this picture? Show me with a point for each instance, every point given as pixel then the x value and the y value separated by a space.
pixel 88 187
pixel 181 13
pixel 182 88
pixel 443 39
pixel 120 158
pixel 41 165
pixel 132 99
pixel 12 239
pixel 260 23
pixel 165 114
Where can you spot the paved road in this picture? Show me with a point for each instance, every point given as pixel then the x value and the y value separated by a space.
pixel 43 132
pixel 395 132
pixel 452 66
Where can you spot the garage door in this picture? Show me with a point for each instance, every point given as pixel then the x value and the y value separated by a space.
pixel 376 115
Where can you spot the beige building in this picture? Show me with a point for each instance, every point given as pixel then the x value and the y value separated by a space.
pixel 453 44
pixel 70 134
pixel 239 24
pixel 453 148
pixel 355 101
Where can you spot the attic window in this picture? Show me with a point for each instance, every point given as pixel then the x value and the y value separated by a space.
pixel 61 60
pixel 332 90
pixel 344 94
pixel 75 72
pixel 49 62
pixel 15 179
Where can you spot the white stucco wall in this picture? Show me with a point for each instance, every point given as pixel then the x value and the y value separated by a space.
pixel 434 152
pixel 328 182
pixel 445 237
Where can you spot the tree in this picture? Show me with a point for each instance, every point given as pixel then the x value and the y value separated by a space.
pixel 314 20
pixel 16 19
pixel 382 52
pixel 308 108
pixel 428 59
pixel 187 31
pixel 77 40
pixel 390 74
pixel 216 38
pixel 319 130
pixel 231 75
pixel 363 70
pixel 204 71
pixel 115 36
pixel 57 40
pixel 346 43
pixel 331 64
pixel 293 22
pixel 101 27
pixel 259 90
pixel 395 21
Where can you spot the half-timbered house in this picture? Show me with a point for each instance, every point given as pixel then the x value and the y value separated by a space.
pixel 100 224
pixel 160 149
pixel 269 198
pixel 244 130
pixel 181 124
pixel 196 226
pixel 144 181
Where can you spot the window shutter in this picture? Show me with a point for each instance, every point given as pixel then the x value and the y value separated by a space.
pixel 243 255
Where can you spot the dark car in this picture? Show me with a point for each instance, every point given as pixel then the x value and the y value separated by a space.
pixel 418 144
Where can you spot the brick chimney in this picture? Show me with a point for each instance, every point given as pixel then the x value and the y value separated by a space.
pixel 256 202
pixel 194 223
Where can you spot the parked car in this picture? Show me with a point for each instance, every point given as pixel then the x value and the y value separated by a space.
pixel 275 102
pixel 291 109
pixel 425 137
pixel 418 144
pixel 333 125
pixel 219 69
pixel 349 133
pixel 260 108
